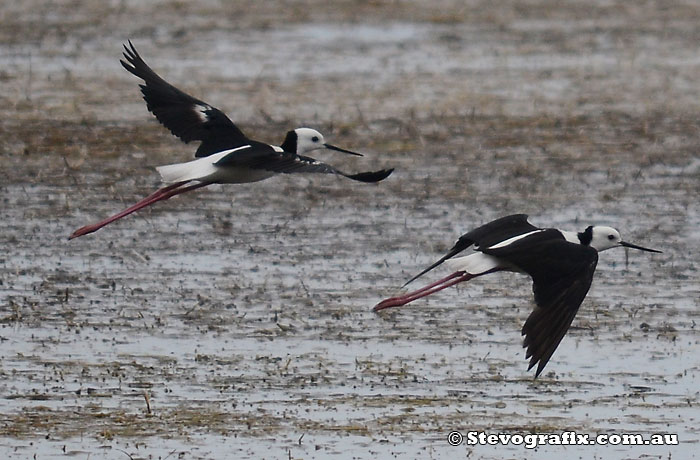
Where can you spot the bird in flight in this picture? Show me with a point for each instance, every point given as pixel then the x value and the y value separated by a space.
pixel 225 155
pixel 561 264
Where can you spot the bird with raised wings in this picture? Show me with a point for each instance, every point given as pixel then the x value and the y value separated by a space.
pixel 225 155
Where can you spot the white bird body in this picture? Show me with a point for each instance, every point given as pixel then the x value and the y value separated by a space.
pixel 204 169
pixel 477 263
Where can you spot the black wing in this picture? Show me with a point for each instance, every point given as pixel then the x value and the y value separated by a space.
pixel 265 157
pixel 487 235
pixel 185 116
pixel 562 274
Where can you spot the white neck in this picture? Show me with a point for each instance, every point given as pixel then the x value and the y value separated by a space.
pixel 571 237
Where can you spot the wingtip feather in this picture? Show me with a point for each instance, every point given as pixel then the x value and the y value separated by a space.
pixel 371 176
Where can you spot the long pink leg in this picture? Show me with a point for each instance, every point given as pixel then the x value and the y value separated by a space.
pixel 455 278
pixel 160 194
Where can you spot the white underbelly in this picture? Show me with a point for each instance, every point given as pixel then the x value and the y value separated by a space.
pixel 205 170
pixel 475 264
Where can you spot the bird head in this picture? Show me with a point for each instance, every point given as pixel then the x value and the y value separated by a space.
pixel 601 238
pixel 305 140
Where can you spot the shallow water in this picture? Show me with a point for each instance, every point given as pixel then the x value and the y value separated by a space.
pixel 237 321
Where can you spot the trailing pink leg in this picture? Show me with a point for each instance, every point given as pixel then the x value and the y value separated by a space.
pixel 455 278
pixel 160 194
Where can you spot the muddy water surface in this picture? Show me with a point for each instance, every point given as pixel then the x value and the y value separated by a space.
pixel 236 322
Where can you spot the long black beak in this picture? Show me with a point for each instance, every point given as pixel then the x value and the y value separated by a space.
pixel 338 149
pixel 634 246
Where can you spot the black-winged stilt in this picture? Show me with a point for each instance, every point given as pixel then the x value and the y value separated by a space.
pixel 225 155
pixel 560 263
